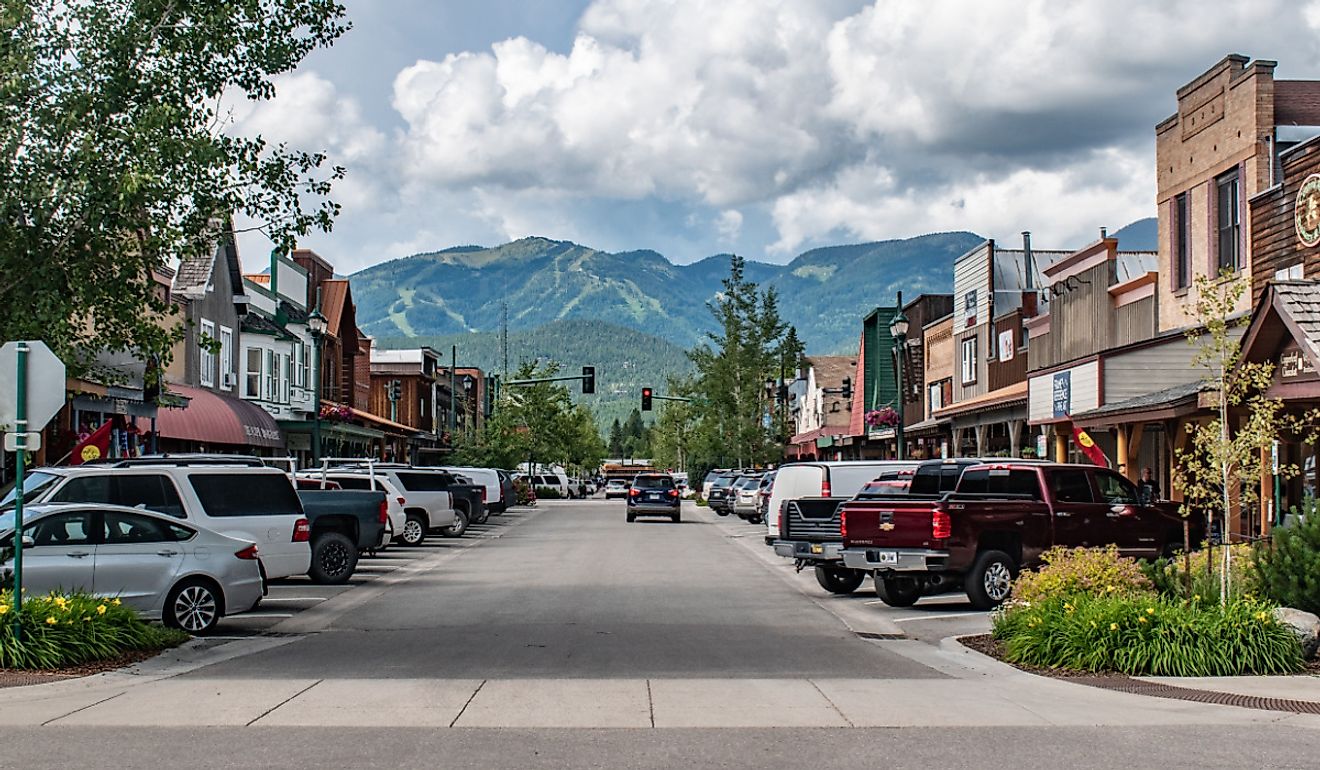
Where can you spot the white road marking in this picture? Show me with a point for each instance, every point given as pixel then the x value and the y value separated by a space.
pixel 270 599
pixel 940 617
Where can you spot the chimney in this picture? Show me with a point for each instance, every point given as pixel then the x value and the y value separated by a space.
pixel 1104 233
pixel 1029 262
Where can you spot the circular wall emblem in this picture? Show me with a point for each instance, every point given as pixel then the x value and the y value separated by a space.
pixel 1308 211
pixel 90 453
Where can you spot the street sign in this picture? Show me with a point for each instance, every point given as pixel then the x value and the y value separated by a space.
pixel 30 441
pixel 45 384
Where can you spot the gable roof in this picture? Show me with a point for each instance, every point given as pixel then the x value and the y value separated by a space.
pixel 1296 304
pixel 830 370
pixel 193 278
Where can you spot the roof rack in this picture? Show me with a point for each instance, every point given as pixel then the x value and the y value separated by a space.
pixel 189 460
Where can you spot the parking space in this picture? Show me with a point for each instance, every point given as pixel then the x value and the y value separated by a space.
pixel 289 596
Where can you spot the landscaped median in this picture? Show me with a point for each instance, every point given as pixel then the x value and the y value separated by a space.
pixel 61 631
pixel 1091 610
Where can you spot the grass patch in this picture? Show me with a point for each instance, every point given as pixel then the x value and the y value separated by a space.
pixel 59 631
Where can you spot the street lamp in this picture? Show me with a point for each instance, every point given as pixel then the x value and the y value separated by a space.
pixel 898 327
pixel 468 382
pixel 316 328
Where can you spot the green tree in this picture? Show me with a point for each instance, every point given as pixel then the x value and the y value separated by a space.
pixel 616 439
pixel 118 158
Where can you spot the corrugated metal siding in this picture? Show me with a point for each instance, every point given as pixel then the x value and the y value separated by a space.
pixel 1134 322
pixel 1080 314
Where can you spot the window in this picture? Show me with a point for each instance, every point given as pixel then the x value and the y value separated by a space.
pixel 153 491
pixel 282 372
pixel 1228 221
pixel 206 358
pixel 1114 489
pixel 1182 258
pixel 1071 486
pixel 969 360
pixel 247 494
pixel 1291 273
pixel 936 397
pixel 268 377
pixel 1000 481
pixel 226 358
pixel 654 482
pixel 72 528
pixel 252 389
pixel 353 482
pixel 299 365
pixel 1026 339
pixel 426 482
pixel 122 528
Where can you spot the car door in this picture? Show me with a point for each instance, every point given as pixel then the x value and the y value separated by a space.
pixel 1079 520
pixel 62 555
pixel 1134 528
pixel 138 558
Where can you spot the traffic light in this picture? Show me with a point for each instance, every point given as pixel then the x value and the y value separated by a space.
pixel 846 390
pixel 396 390
pixel 588 380
pixel 646 399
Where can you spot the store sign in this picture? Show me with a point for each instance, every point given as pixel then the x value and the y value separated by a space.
pixel 1062 394
pixel 1307 211
pixel 1006 345
pixel 969 308
pixel 1293 364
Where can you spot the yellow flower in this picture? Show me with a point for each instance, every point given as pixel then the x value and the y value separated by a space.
pixel 1262 615
pixel 50 621
pixel 1141 620
pixel 115 601
pixel 1113 626
pixel 1150 610
pixel 1196 598
pixel 100 610
pixel 4 609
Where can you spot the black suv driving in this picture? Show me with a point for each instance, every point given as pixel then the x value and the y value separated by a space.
pixel 654 495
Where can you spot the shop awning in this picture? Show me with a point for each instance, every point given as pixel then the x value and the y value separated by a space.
pixel 1178 401
pixel 215 419
pixel 1010 395
pixel 932 426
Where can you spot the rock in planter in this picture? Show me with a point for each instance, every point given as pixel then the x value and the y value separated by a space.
pixel 1305 625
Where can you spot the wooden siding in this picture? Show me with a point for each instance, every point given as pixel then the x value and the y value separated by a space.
pixel 1080 314
pixel 1003 373
pixel 1274 242
pixel 963 392
pixel 1152 368
pixel 921 311
pixel 1134 322
pixel 971 272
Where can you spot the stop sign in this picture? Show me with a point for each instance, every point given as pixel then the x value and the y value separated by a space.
pixel 45 384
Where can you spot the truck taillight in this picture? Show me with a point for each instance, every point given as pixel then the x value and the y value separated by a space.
pixel 249 553
pixel 941 527
pixel 843 523
pixel 302 531
pixel 384 511
pixel 402 501
pixel 673 493
pixel 783 521
pixel 483 494
pixel 825 488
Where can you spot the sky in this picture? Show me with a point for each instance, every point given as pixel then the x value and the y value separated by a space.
pixel 761 127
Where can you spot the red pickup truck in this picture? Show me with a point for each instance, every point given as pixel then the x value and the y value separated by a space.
pixel 1000 518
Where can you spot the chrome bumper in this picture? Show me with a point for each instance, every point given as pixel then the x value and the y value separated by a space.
pixel 895 560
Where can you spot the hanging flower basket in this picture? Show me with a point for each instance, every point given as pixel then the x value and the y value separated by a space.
pixel 336 413
pixel 884 417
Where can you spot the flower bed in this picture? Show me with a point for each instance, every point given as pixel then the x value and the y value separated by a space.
pixel 59 631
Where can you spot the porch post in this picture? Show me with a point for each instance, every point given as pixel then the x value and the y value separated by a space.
pixel 1060 445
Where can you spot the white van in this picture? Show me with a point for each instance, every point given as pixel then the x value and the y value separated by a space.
pixel 486 477
pixel 844 478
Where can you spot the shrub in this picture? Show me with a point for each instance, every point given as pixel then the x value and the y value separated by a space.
pixel 1288 569
pixel 1148 636
pixel 1169 576
pixel 547 493
pixel 522 492
pixel 78 628
pixel 1072 571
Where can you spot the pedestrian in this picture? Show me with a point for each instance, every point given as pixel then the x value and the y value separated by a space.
pixel 1148 489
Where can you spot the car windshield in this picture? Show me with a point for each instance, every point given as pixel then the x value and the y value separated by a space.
pixel 653 482
pixel 616 483
pixel 33 485
pixel 723 481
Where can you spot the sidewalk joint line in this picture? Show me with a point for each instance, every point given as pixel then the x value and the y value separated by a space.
pixel 263 714
pixel 650 702
pixel 830 701
pixel 471 697
pixel 84 708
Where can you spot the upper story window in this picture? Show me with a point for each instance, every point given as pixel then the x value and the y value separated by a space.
pixel 206 354
pixel 1228 218
pixel 226 358
pixel 1182 257
pixel 252 374
pixel 969 360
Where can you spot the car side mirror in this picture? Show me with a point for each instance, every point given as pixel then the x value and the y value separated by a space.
pixel 28 542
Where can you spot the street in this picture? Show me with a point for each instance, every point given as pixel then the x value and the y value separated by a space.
pixel 518 645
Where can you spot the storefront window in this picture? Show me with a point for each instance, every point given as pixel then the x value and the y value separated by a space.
pixel 252 387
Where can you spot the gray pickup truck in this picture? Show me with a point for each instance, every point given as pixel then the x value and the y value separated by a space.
pixel 345 523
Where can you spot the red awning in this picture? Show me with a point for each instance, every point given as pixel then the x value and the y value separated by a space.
pixel 216 419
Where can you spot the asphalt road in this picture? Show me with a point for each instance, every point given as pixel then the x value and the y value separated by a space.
pixel 576 592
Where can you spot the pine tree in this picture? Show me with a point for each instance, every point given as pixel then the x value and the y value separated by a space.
pixel 1289 570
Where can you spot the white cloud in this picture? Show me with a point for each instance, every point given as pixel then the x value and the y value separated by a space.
pixel 821 119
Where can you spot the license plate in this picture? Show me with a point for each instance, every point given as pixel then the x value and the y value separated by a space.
pixel 817 548
pixel 653 497
pixel 886 557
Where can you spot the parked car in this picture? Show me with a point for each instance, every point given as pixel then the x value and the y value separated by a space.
pixel 763 492
pixel 435 503
pixel 742 496
pixel 231 497
pixel 551 480
pixel 654 494
pixel 616 488
pixel 709 481
pixel 187 576
pixel 718 499
pixel 999 519
pixel 489 478
pixel 508 493
pixel 393 517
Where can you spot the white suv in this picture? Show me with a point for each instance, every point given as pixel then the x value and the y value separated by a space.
pixel 250 503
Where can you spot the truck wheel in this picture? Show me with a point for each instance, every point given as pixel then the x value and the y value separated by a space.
pixel 721 512
pixel 839 580
pixel 897 592
pixel 414 530
pixel 990 579
pixel 458 529
pixel 334 558
pixel 631 517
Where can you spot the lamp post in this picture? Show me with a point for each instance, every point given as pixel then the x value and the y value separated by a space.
pixel 468 382
pixel 898 327
pixel 316 328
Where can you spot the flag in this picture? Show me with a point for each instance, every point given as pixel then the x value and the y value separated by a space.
pixel 92 448
pixel 1093 453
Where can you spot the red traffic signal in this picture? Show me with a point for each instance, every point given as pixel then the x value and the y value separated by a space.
pixel 646 399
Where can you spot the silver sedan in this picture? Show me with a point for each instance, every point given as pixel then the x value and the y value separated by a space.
pixel 167 570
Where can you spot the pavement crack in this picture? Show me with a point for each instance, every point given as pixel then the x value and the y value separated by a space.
pixel 650 702
pixel 263 714
pixel 469 702
pixel 84 708
pixel 833 705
